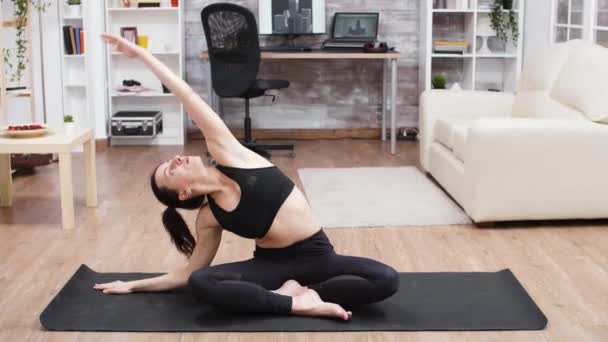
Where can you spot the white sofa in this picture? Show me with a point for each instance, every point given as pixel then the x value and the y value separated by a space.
pixel 539 154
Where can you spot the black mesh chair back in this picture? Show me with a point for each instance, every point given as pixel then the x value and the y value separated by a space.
pixel 233 47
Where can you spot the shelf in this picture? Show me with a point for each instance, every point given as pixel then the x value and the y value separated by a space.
pixel 469 10
pixel 19 93
pixel 451 55
pixel 450 10
pixel 74 56
pixel 9 22
pixel 175 53
pixel 72 18
pixel 600 28
pixel 497 55
pixel 147 9
pixel 144 94
pixel 487 11
pixel 75 85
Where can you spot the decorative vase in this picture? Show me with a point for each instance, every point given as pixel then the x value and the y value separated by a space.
pixel 74 10
pixel 456 87
pixel 175 3
pixel 507 4
pixel 484 30
pixel 69 127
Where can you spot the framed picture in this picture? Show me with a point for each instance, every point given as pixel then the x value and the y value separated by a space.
pixel 129 33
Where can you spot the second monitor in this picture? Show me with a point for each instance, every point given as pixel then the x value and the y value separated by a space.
pixel 291 18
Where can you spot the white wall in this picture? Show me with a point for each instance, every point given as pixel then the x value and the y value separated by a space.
pixel 537 24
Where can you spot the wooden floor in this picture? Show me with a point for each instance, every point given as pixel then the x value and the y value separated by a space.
pixel 564 266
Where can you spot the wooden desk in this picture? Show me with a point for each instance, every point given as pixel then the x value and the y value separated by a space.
pixel 62 144
pixel 388 58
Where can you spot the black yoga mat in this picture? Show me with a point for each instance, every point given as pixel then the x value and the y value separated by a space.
pixel 425 301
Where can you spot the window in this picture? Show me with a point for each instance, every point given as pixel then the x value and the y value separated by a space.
pixel 569 20
pixel 600 29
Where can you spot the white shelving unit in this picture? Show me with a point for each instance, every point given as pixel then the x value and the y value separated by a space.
pixel 74 71
pixel 165 30
pixel 474 69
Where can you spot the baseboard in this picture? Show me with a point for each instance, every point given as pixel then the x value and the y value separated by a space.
pixel 301 134
pixel 101 145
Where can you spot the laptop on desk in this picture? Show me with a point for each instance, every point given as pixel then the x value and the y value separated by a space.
pixel 352 30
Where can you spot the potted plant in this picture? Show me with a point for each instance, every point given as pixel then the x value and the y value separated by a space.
pixel 68 121
pixel 439 81
pixel 74 8
pixel 503 20
pixel 15 59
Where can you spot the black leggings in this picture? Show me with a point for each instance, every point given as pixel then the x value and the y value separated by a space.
pixel 245 286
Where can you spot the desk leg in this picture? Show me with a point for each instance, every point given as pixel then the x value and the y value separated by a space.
pixel 393 105
pixel 67 194
pixel 90 173
pixel 6 181
pixel 384 68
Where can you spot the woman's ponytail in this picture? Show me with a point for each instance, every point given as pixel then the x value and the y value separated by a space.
pixel 178 230
pixel 172 220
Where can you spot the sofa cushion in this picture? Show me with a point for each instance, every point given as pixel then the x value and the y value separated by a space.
pixel 543 64
pixel 445 129
pixel 538 104
pixel 581 84
pixel 460 139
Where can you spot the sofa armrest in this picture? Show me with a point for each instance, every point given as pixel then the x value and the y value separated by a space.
pixel 527 168
pixel 435 104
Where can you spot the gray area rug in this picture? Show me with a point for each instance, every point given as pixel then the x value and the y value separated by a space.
pixel 378 196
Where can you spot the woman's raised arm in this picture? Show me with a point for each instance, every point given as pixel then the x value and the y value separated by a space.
pixel 222 145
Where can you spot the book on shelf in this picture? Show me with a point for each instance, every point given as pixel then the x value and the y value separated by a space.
pixel 148 3
pixel 73 40
pixel 81 42
pixel 450 46
pixel 77 39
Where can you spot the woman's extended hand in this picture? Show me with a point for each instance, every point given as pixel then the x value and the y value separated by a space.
pixel 115 287
pixel 120 44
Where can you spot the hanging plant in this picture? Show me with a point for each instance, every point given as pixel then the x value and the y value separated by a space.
pixel 503 20
pixel 20 14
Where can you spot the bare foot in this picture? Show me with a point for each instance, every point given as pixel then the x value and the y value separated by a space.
pixel 310 304
pixel 291 288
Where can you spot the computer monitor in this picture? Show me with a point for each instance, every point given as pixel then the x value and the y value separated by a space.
pixel 291 17
pixel 356 26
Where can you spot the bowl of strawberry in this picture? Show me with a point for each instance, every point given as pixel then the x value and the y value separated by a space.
pixel 25 130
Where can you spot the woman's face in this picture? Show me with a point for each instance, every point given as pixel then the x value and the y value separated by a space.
pixel 179 174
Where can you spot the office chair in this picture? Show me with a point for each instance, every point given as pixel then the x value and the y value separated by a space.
pixel 234 56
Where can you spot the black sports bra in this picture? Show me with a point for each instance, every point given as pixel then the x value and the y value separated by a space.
pixel 263 191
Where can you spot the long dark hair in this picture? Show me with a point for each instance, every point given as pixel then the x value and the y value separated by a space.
pixel 172 220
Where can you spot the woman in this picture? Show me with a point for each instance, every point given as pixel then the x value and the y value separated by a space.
pixel 294 269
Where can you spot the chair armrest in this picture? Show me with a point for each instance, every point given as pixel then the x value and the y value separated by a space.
pixel 435 104
pixel 536 166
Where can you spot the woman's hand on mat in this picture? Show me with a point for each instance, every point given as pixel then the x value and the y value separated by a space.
pixel 115 287
pixel 122 45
